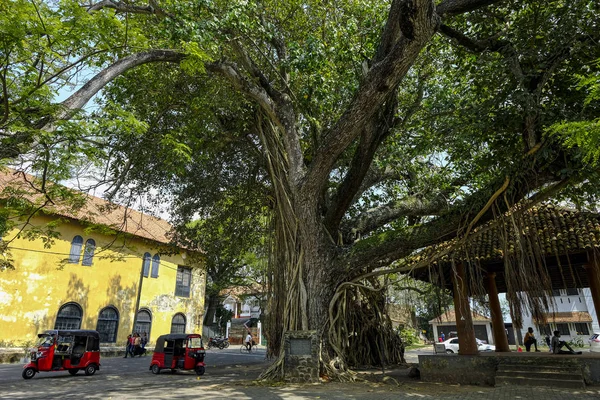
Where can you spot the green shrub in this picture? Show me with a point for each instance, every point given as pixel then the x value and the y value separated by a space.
pixel 409 336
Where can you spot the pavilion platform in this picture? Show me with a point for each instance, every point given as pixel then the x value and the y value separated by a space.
pixel 481 369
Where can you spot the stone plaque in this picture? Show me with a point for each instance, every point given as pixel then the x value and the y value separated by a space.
pixel 300 347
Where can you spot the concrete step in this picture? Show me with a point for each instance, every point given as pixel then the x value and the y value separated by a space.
pixel 536 368
pixel 554 383
pixel 567 376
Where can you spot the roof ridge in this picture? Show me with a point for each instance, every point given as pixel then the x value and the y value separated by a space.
pixel 95 210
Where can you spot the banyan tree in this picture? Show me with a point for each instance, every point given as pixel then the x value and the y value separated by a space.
pixel 367 130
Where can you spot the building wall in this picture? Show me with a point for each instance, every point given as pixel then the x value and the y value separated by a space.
pixel 589 302
pixel 564 303
pixel 42 281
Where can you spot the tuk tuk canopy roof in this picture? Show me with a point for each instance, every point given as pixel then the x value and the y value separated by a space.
pixel 160 342
pixel 71 332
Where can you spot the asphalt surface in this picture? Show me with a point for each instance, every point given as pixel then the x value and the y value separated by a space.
pixel 230 374
pixel 125 374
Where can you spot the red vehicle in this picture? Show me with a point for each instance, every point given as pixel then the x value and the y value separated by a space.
pixel 60 350
pixel 178 351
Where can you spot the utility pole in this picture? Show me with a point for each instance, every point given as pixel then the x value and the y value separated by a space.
pixel 139 294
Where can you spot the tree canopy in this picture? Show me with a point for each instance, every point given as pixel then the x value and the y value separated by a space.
pixel 368 129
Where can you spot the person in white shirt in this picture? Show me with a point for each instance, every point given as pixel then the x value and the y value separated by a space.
pixel 249 341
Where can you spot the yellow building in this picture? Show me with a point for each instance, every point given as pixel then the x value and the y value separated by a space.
pixel 97 267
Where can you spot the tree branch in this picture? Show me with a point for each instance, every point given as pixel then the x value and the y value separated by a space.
pixel 248 87
pixel 374 134
pixel 151 9
pixel 456 7
pixel 418 24
pixel 278 106
pixel 396 245
pixel 78 99
pixel 383 124
pixel 374 218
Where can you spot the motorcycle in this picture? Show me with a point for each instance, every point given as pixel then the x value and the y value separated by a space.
pixel 220 343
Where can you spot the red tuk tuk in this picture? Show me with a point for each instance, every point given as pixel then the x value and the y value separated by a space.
pixel 59 350
pixel 178 351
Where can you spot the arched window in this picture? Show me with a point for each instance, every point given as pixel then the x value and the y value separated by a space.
pixel 155 264
pixel 178 323
pixel 69 317
pixel 108 324
pixel 143 322
pixel 146 263
pixel 88 253
pixel 76 244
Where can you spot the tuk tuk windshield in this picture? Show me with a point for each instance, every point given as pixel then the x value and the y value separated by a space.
pixel 194 342
pixel 45 341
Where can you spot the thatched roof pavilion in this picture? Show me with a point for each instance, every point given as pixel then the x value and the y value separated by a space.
pixel 525 253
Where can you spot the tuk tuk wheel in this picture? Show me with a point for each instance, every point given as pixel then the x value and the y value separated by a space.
pixel 155 369
pixel 200 369
pixel 28 373
pixel 73 371
pixel 90 369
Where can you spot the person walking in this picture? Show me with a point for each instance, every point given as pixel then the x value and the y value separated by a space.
pixel 128 347
pixel 530 340
pixel 137 344
pixel 144 340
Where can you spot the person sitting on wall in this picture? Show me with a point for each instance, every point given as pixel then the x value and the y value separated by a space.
pixel 557 344
pixel 548 342
pixel 530 340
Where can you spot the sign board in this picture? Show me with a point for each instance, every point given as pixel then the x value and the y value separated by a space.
pixel 300 347
pixel 439 348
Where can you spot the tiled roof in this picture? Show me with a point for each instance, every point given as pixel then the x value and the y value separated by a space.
pixel 238 292
pixel 450 316
pixel 569 316
pixel 549 229
pixel 94 211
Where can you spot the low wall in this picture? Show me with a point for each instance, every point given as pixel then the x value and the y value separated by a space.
pixel 481 369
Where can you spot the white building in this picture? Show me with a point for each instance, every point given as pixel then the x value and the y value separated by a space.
pixel 572 316
pixel 446 323
pixel 248 307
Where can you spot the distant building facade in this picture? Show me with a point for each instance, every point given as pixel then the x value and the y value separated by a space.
pixel 573 315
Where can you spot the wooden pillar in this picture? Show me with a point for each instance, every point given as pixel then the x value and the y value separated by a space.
pixel 464 319
pixel 593 275
pixel 500 338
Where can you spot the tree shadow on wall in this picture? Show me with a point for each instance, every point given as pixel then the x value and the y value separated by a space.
pixel 78 292
pixel 123 298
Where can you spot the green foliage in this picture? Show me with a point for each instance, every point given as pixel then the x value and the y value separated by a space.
pixel 577 341
pixel 584 134
pixel 409 337
pixel 193 64
pixel 223 317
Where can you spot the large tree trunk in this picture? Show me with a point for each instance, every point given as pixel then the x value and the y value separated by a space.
pixel 214 302
pixel 309 284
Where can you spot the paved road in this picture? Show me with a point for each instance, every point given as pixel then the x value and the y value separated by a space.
pixel 216 360
pixel 230 374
